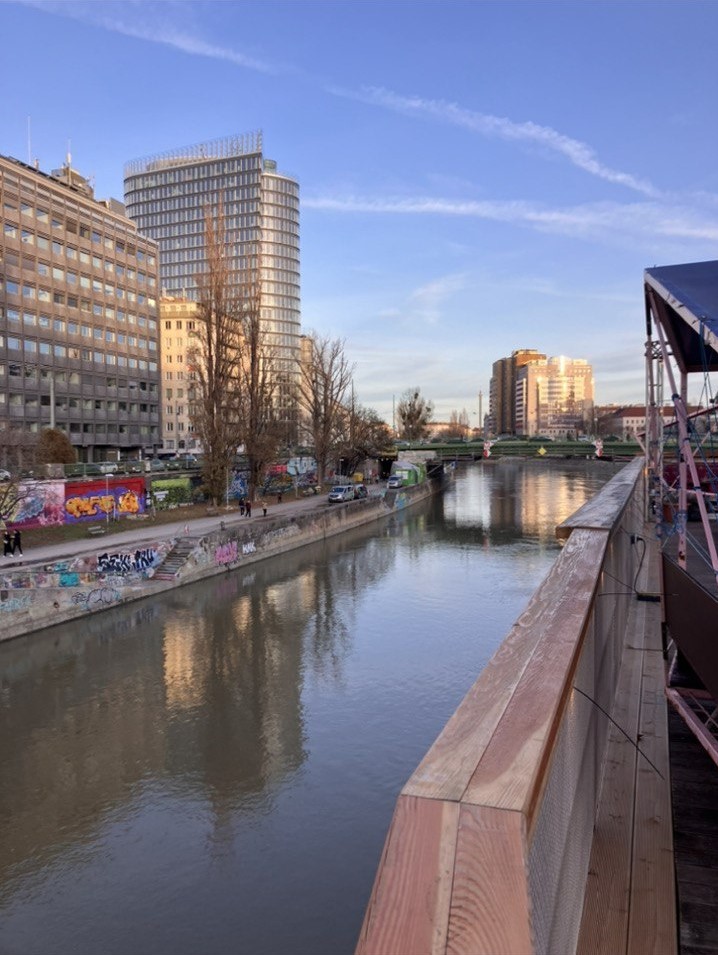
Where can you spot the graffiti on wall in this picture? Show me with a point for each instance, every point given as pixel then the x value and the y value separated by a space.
pixel 127 563
pixel 226 553
pixel 88 500
pixel 35 503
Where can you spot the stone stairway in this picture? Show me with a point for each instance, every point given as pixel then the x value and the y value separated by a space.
pixel 175 559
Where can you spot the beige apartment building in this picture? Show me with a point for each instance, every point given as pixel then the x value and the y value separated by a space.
pixel 554 397
pixel 78 316
pixel 178 317
pixel 502 389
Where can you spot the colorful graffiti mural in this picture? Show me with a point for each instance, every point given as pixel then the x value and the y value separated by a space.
pixel 35 504
pixel 88 500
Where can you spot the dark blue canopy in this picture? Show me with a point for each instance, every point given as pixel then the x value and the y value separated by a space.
pixel 684 298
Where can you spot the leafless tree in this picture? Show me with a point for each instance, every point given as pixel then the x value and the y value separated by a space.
pixel 261 378
pixel 414 413
pixel 213 356
pixel 324 381
pixel 236 373
pixel 363 435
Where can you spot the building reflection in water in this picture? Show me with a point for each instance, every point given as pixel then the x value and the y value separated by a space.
pixel 227 746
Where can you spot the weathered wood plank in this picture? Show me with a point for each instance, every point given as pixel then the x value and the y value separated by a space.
pixel 652 925
pixel 604 925
pixel 490 910
pixel 408 912
pixel 510 774
pixel 557 610
pixel 604 510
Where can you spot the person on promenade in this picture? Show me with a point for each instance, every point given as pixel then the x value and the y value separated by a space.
pixel 248 507
pixel 7 544
pixel 241 507
pixel 264 508
pixel 16 542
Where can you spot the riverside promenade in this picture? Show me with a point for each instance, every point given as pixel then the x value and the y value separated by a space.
pixel 54 583
pixel 136 534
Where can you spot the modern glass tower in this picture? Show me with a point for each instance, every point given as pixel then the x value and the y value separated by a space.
pixel 166 196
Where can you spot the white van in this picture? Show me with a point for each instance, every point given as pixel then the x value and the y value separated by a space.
pixel 340 493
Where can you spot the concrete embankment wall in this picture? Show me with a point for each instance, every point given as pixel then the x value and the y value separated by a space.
pixel 36 597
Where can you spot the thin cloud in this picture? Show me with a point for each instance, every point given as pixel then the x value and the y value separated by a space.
pixel 151 23
pixel 427 300
pixel 606 220
pixel 498 127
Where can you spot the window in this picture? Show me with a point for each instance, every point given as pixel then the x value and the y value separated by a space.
pixel 60 351
pixel 27 237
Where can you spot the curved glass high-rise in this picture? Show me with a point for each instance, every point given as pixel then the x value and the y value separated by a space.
pixel 167 195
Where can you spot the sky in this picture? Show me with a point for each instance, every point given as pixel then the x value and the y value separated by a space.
pixel 475 178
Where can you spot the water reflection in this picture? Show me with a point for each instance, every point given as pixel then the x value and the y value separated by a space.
pixel 214 770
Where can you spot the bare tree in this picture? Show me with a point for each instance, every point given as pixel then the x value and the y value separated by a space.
pixel 325 378
pixel 261 378
pixel 414 413
pixel 215 408
pixel 364 435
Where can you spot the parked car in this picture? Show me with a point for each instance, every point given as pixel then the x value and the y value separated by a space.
pixel 394 482
pixel 341 493
pixel 360 492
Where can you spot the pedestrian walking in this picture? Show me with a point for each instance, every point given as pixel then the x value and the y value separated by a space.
pixel 248 508
pixel 7 544
pixel 264 508
pixel 279 498
pixel 241 507
pixel 17 542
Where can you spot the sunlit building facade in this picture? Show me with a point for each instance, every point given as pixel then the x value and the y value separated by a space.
pixel 554 397
pixel 502 389
pixel 178 319
pixel 168 196
pixel 78 316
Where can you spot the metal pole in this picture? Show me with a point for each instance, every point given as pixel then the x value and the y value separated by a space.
pixel 52 400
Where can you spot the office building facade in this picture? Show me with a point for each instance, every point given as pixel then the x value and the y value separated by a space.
pixel 502 389
pixel 78 316
pixel 168 195
pixel 554 398
pixel 178 318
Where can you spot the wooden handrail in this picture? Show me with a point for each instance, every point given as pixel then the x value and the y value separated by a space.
pixel 492 827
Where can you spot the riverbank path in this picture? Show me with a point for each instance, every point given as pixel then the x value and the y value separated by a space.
pixel 142 532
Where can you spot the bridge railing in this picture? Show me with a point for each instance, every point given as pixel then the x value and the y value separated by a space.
pixel 489 845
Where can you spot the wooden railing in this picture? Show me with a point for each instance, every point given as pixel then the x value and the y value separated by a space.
pixel 488 850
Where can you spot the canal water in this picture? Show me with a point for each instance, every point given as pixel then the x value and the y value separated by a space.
pixel 214 771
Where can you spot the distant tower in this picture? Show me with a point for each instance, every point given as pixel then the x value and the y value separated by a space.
pixel 166 195
pixel 502 389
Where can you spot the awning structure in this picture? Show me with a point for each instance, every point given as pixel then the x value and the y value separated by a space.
pixel 682 330
pixel 684 298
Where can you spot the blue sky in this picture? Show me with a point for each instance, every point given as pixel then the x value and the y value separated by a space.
pixel 475 177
